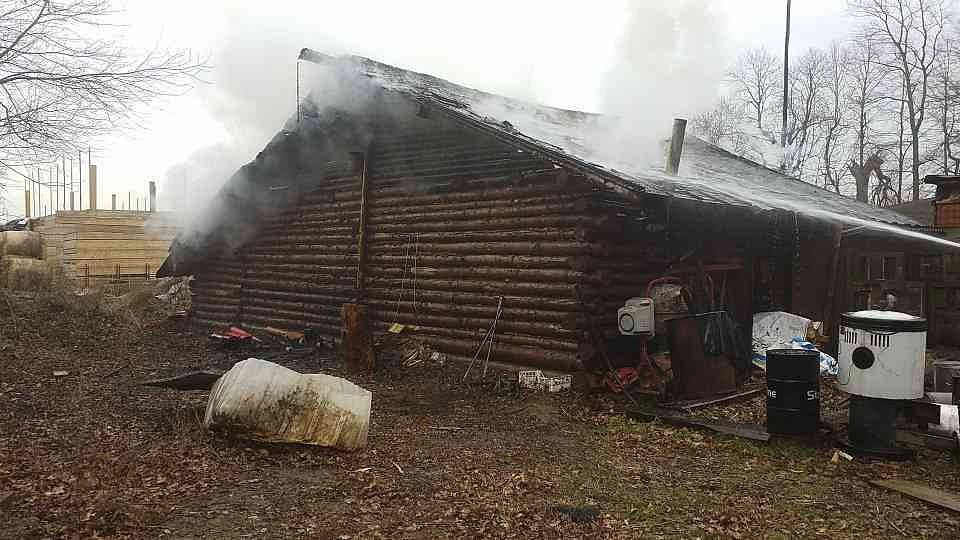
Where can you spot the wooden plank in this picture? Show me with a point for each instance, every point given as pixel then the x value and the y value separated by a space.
pixel 693 404
pixel 119 243
pixel 751 432
pixel 936 497
pixel 928 440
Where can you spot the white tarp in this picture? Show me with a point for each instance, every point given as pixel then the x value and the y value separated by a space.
pixel 782 330
pixel 263 401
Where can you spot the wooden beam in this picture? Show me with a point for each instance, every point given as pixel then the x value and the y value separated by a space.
pixel 927 494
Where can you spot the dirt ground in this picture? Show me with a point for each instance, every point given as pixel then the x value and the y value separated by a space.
pixel 93 454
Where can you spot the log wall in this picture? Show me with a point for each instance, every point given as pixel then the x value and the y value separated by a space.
pixel 454 221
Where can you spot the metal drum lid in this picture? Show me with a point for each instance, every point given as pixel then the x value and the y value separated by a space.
pixel 883 321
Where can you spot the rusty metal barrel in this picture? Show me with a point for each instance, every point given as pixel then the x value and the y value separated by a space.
pixel 793 391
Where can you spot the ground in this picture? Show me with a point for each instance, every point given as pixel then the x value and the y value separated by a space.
pixel 93 454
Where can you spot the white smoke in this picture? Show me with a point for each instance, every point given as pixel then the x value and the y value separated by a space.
pixel 650 63
pixel 669 63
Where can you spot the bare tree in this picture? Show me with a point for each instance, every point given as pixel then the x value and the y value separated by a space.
pixel 911 32
pixel 863 100
pixel 64 79
pixel 836 76
pixel 756 81
pixel 806 109
pixel 722 125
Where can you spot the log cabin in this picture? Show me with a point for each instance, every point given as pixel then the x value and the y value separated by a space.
pixel 430 203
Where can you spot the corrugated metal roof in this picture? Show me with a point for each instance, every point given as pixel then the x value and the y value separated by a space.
pixel 708 173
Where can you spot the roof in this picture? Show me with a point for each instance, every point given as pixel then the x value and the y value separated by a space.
pixel 920 210
pixel 708 173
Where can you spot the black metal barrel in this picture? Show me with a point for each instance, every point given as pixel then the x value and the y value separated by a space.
pixel 793 391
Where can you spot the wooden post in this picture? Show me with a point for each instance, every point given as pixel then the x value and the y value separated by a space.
pixel 357 340
pixel 152 188
pixel 113 201
pixel 362 226
pixel 26 203
pixel 72 206
pixel 834 277
pixel 92 181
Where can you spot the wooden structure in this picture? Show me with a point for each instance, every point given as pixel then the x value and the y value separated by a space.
pixel 100 244
pixel 414 203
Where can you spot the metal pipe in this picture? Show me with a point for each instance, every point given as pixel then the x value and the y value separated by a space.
pixel 676 146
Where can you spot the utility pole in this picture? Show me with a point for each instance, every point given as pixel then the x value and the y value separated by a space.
pixel 786 80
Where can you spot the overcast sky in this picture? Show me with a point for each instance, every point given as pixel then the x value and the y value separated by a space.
pixel 556 52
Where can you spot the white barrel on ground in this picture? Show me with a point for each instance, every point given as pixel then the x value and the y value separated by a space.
pixel 264 401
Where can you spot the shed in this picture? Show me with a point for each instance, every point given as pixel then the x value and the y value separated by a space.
pixel 428 202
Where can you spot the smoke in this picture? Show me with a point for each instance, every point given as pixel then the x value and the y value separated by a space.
pixel 641 62
pixel 669 63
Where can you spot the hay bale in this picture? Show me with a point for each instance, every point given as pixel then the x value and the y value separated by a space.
pixel 25 274
pixel 21 244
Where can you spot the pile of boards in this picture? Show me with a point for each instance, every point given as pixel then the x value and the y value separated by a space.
pixel 99 243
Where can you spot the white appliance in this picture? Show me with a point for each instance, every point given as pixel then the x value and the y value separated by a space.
pixel 635 318
pixel 882 354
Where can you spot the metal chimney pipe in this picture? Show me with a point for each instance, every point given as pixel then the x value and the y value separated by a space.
pixel 93 186
pixel 676 146
pixel 26 203
pixel 153 196
pixel 72 205
pixel 113 201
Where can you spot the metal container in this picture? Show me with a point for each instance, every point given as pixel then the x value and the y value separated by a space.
pixel 872 429
pixel 882 354
pixel 697 374
pixel 793 391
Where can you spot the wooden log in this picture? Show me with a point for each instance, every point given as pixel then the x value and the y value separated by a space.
pixel 467 311
pixel 560 248
pixel 304 317
pixel 548 359
pixel 479 204
pixel 398 197
pixel 471 261
pixel 520 274
pixel 476 299
pixel 505 223
pixel 572 234
pixel 496 288
pixel 357 339
pixel 383 313
pixel 476 336
pixel 483 213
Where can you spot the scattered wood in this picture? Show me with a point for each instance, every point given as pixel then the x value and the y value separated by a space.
pixel 927 440
pixel 745 431
pixel 446 428
pixel 936 497
pixel 195 380
pixel 693 404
